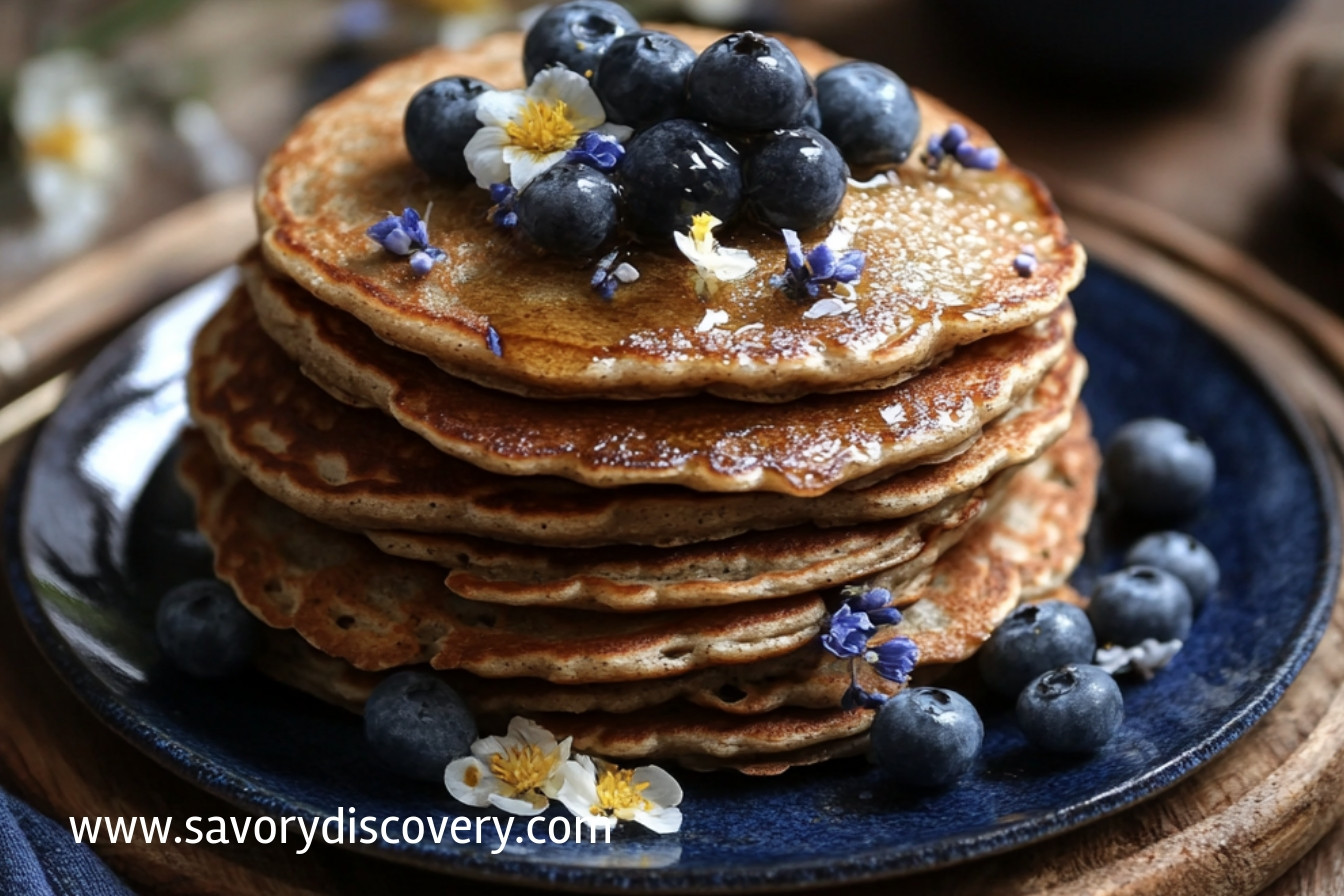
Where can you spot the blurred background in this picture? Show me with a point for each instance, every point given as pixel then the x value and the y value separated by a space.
pixel 1228 114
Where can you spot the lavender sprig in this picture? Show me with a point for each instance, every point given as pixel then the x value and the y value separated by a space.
pixel 807 273
pixel 407 234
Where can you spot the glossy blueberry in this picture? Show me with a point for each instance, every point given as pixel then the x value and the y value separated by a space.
pixel 1181 555
pixel 795 179
pixel 868 112
pixel 1158 469
pixel 1073 709
pixel 811 117
pixel 205 631
pixel 439 121
pixel 417 724
pixel 570 209
pixel 1140 602
pixel 641 79
pixel 927 737
pixel 1033 639
pixel 675 170
pixel 747 83
pixel 574 35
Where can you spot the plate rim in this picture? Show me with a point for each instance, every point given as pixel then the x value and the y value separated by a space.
pixel 866 865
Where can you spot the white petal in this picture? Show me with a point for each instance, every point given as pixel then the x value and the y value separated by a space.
pixel 454 778
pixel 841 236
pixel 517 805
pixel 619 131
pixel 579 791
pixel 525 166
pixel 485 159
pixel 688 248
pixel 529 732
pixel 663 789
pixel 733 264
pixel 662 821
pixel 496 108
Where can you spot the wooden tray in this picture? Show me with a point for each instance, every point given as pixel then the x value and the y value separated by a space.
pixel 1232 828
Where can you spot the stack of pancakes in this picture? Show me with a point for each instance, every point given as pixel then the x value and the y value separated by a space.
pixel 629 520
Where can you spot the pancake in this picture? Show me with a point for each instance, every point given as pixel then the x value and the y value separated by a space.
pixel 948 614
pixel 357 469
pixel 350 600
pixel 803 448
pixel 939 264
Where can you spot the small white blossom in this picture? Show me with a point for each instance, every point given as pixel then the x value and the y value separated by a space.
pixel 713 318
pixel 518 773
pixel 714 263
pixel 1145 658
pixel 601 794
pixel 527 131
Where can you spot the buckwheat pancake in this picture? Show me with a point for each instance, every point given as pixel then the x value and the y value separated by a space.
pixel 350 600
pixel 755 566
pixel 804 448
pixel 948 614
pixel 939 271
pixel 357 469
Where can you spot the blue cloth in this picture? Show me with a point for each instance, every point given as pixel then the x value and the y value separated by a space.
pixel 38 857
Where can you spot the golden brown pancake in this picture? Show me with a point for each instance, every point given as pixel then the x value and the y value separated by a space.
pixel 939 271
pixel 350 600
pixel 949 614
pixel 804 448
pixel 357 469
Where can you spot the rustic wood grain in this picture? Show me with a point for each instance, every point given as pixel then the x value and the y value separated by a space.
pixel 1243 820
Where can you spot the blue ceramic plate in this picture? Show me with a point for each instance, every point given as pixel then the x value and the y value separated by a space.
pixel 97 530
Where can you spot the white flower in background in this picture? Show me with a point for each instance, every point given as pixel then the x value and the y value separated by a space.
pixel 716 12
pixel 601 794
pixel 528 131
pixel 518 772
pixel 74 157
pixel 714 263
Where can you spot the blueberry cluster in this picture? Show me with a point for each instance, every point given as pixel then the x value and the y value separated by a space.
pixel 739 131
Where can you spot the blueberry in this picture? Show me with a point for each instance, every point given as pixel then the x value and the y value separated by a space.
pixel 1073 709
pixel 811 117
pixel 1158 469
pixel 927 737
pixel 1140 602
pixel 574 35
pixel 641 79
pixel 417 724
pixel 1033 639
pixel 205 631
pixel 570 209
pixel 440 119
pixel 674 171
pixel 1182 556
pixel 747 82
pixel 795 179
pixel 869 112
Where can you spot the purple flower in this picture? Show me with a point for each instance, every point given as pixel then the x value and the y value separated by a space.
pixel 955 142
pixel 856 697
pixel 502 213
pixel 601 151
pixel 423 260
pixel 875 602
pixel 848 634
pixel 824 265
pixel 493 342
pixel 893 660
pixel 400 234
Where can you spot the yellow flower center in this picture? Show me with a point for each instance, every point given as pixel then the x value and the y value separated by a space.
pixel 524 768
pixel 543 128
pixel 702 226
pixel 618 795
pixel 60 143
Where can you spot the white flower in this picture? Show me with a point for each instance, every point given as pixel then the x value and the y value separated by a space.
pixel 518 773
pixel 602 794
pixel 714 263
pixel 1145 658
pixel 528 131
pixel 74 155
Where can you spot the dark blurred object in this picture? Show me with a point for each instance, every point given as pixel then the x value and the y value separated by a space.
pixel 1115 41
pixel 1316 127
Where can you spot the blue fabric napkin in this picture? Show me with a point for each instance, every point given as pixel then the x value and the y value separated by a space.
pixel 38 857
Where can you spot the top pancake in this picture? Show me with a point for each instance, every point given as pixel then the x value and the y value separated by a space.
pixel 939 271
